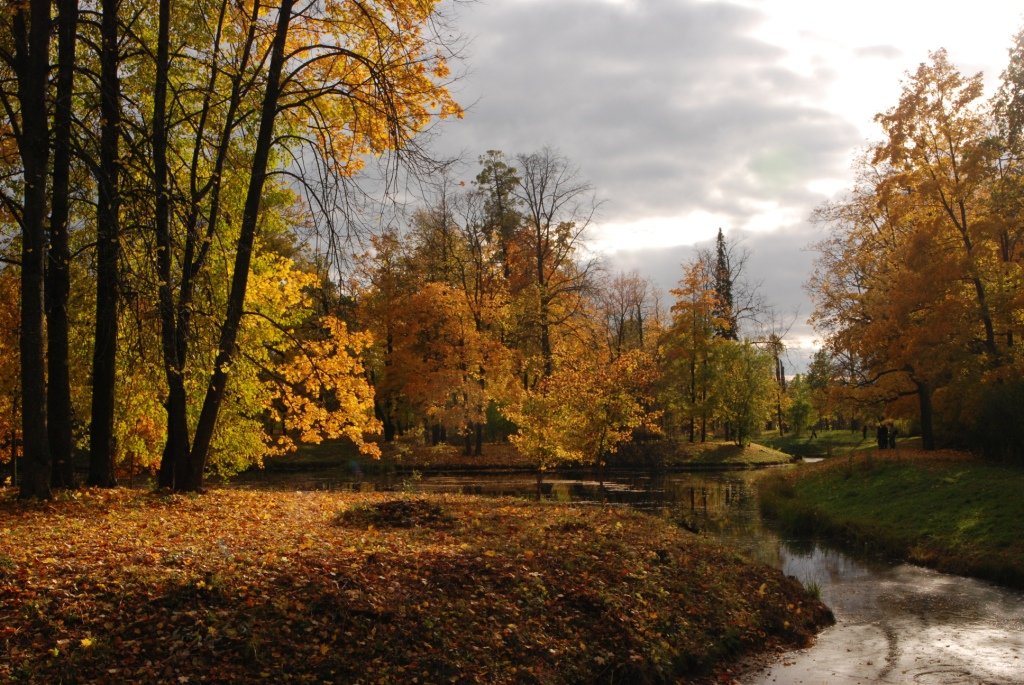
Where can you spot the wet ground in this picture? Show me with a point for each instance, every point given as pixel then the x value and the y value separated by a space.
pixel 903 624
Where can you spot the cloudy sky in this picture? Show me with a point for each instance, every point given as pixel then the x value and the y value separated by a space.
pixel 690 115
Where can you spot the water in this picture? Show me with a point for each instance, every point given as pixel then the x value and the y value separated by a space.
pixel 895 623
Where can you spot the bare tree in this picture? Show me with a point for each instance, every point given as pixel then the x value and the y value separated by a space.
pixel 558 208
pixel 627 304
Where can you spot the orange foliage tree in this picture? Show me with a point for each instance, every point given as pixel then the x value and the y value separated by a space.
pixel 917 287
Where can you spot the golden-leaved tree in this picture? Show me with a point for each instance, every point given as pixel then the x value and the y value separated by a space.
pixel 916 287
pixel 337 81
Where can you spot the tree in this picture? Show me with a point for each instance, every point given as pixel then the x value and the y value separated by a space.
pixel 27 55
pixel 936 147
pixel 687 348
pixel 800 413
pixel 744 387
pixel 496 183
pixel 58 283
pixel 724 276
pixel 626 303
pixel 108 248
pixel 341 81
pixel 821 378
pixel 558 208
pixel 586 409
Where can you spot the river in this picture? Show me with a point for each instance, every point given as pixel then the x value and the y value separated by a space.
pixel 895 623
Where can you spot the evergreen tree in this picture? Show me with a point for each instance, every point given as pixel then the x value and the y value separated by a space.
pixel 724 308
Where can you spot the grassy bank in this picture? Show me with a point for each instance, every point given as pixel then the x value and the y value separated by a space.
pixel 247 586
pixel 341 458
pixel 944 510
pixel 679 453
pixel 829 443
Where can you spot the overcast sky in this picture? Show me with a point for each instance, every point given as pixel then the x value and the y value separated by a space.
pixel 690 115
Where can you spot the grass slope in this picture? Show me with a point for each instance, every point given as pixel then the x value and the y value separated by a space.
pixel 679 453
pixel 945 510
pixel 826 444
pixel 247 586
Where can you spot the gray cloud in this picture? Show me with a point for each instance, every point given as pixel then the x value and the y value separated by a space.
pixel 668 107
pixel 664 105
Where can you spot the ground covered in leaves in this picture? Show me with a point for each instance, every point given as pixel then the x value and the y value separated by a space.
pixel 248 585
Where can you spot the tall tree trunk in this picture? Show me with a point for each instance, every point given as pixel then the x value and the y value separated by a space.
pixel 58 283
pixel 175 457
pixel 545 342
pixel 108 242
pixel 176 317
pixel 243 257
pixel 31 24
pixel 924 399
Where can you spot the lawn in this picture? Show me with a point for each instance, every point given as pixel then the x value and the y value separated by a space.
pixel 828 443
pixel 947 509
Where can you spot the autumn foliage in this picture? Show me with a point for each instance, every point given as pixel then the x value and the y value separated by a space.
pixel 918 285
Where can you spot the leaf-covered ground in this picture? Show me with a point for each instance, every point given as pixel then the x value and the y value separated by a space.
pixel 248 585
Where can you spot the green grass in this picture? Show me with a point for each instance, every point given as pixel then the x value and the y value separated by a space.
pixel 947 511
pixel 826 444
pixel 730 454
pixel 679 453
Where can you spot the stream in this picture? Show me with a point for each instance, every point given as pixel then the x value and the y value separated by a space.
pixel 895 623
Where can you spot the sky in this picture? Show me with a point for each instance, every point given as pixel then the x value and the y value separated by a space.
pixel 692 115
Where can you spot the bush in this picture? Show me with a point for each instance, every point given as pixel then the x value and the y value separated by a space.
pixel 999 429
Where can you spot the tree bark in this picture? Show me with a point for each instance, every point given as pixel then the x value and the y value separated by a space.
pixel 31 24
pixel 58 283
pixel 175 457
pixel 924 399
pixel 243 258
pixel 108 243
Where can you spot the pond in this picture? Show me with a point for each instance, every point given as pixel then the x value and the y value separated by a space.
pixel 896 623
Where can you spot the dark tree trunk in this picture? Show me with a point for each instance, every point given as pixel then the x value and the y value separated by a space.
pixel 478 430
pixel 383 410
pixel 545 341
pixel 108 243
pixel 58 284
pixel 175 456
pixel 176 318
pixel 243 258
pixel 693 397
pixel 924 399
pixel 31 24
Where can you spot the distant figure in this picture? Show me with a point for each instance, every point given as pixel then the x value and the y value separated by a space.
pixel 892 437
pixel 814 432
pixel 864 432
pixel 883 436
